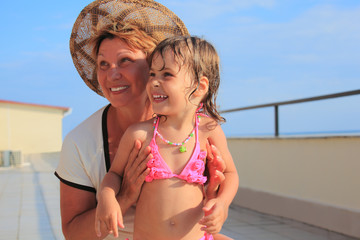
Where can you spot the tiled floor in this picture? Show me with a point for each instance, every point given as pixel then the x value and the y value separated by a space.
pixel 29 209
pixel 245 224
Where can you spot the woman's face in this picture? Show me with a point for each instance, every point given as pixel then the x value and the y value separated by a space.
pixel 122 73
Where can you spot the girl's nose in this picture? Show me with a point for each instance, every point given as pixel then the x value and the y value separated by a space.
pixel 155 83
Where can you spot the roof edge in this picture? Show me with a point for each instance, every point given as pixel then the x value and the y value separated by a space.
pixel 65 109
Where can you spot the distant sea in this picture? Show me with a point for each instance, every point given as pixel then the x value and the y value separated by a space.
pixel 299 134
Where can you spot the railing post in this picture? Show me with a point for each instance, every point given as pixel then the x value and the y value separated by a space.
pixel 276 107
pixel 277 104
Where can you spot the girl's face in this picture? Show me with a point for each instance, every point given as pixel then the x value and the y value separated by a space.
pixel 122 73
pixel 169 85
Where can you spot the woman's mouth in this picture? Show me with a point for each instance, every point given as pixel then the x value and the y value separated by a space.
pixel 118 89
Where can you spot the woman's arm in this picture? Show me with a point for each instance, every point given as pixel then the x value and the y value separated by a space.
pixel 77 208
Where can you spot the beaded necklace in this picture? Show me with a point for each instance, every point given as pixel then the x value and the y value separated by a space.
pixel 182 148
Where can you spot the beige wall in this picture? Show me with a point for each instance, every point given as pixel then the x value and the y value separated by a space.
pixel 30 128
pixel 319 172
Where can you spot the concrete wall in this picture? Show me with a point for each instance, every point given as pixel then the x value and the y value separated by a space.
pixel 43 161
pixel 30 128
pixel 314 180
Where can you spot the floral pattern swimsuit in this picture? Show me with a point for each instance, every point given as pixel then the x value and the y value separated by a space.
pixel 192 172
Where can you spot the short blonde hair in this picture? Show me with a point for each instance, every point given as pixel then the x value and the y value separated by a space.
pixel 132 34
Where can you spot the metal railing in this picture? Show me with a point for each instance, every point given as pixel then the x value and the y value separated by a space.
pixel 277 104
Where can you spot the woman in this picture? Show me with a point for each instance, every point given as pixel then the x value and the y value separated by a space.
pixel 119 74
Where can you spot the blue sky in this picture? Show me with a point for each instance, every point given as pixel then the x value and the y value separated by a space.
pixel 270 50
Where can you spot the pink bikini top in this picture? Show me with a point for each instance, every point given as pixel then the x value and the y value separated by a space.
pixel 192 172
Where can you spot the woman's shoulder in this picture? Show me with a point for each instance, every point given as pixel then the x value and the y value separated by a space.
pixel 89 128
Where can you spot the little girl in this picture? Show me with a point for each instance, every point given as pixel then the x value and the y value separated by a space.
pixel 182 88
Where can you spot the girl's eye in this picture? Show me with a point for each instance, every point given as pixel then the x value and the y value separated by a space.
pixel 167 74
pixel 151 74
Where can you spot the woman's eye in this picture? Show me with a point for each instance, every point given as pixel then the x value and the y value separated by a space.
pixel 103 65
pixel 151 74
pixel 124 60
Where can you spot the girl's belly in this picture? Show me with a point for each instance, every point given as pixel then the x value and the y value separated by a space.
pixel 169 209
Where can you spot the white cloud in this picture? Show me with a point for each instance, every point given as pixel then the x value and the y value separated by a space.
pixel 43 55
pixel 10 65
pixel 328 20
pixel 313 53
pixel 29 59
pixel 202 10
pixel 323 33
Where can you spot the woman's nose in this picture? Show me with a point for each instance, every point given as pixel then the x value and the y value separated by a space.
pixel 114 72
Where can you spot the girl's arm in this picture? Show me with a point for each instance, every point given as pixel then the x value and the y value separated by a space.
pixel 78 206
pixel 216 209
pixel 108 210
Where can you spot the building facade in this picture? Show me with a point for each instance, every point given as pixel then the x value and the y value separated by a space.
pixel 30 128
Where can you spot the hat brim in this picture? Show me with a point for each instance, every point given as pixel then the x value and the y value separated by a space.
pixel 157 20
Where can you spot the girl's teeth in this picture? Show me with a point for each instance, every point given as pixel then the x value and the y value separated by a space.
pixel 159 96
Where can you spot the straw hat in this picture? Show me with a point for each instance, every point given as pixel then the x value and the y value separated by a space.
pixel 158 21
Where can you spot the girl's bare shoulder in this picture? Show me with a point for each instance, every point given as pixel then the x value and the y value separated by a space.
pixel 208 124
pixel 141 130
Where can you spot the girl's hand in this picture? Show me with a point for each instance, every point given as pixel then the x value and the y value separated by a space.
pixel 108 213
pixel 134 175
pixel 216 166
pixel 215 215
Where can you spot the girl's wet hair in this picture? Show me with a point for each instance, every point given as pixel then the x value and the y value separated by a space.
pixel 201 59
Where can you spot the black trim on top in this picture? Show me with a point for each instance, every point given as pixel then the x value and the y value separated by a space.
pixel 105 138
pixel 75 185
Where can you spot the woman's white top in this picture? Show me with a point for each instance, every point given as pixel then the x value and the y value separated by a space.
pixel 85 160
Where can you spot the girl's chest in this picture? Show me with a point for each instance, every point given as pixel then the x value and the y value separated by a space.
pixel 177 157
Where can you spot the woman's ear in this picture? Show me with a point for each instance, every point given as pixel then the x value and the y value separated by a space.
pixel 203 87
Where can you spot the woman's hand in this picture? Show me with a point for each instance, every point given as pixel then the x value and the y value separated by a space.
pixel 215 213
pixel 216 166
pixel 214 209
pixel 134 176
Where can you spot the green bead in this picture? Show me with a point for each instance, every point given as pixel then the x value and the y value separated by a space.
pixel 191 134
pixel 182 149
